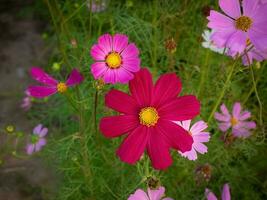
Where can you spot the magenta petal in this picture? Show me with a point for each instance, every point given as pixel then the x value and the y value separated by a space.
pixel 250 7
pixel 226 192
pixel 40 144
pixel 121 102
pixel 110 76
pixel 131 64
pixel 181 108
pixel 141 87
pixel 248 125
pixel 237 42
pixel 224 126
pixel 105 43
pixel 37 129
pixel 98 69
pixel 133 145
pixel 30 149
pixel 43 132
pixel 244 115
pixel 222 117
pixel 118 125
pixel 120 42
pixel 224 110
pixel 236 110
pixel 131 51
pixel 231 8
pixel 97 53
pixel 123 75
pixel 177 137
pixel 259 40
pixel 39 75
pixel 156 194
pixel 220 38
pixel 41 91
pixel 219 21
pixel 74 78
pixel 209 195
pixel 158 150
pixel 167 87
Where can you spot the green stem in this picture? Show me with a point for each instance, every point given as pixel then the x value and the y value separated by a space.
pixel 203 74
pixel 228 79
pixel 95 110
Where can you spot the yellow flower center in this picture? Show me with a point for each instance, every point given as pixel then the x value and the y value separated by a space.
pixel 113 60
pixel 234 121
pixel 243 23
pixel 148 116
pixel 62 87
pixel 10 128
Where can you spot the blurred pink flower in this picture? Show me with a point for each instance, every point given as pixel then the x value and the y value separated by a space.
pixel 96 6
pixel 234 28
pixel 115 59
pixel 27 101
pixel 37 139
pixel 150 195
pixel 237 121
pixel 51 86
pixel 225 193
pixel 199 137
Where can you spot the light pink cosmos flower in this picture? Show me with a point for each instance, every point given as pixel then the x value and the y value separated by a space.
pixel 27 101
pixel 237 121
pixel 115 59
pixel 51 86
pixel 150 195
pixel 234 28
pixel 97 6
pixel 37 139
pixel 199 137
pixel 225 193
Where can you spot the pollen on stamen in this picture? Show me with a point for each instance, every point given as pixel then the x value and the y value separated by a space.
pixel 148 116
pixel 62 87
pixel 243 23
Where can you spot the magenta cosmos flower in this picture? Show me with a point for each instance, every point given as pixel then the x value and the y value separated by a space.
pixel 51 86
pixel 37 139
pixel 235 29
pixel 199 137
pixel 150 195
pixel 237 121
pixel 225 193
pixel 115 59
pixel 146 118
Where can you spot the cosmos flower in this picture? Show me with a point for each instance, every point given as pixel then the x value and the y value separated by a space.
pixel 234 28
pixel 51 86
pixel 115 59
pixel 150 195
pixel 27 101
pixel 199 137
pixel 237 121
pixel 208 44
pixel 147 117
pixel 225 193
pixel 37 139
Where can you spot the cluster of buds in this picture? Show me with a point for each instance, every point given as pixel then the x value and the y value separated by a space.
pixel 99 84
pixel 153 183
pixel 170 45
pixel 203 173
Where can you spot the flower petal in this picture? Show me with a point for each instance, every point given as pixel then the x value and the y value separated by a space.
pixel 39 75
pixel 74 78
pixel 250 7
pixel 166 88
pixel 131 51
pixel 182 108
pixel 30 149
pixel 131 64
pixel 236 110
pixel 244 115
pixel 156 194
pixel 190 155
pixel 117 125
pixel 43 132
pixel 98 69
pixel 123 75
pixel 198 127
pixel 224 126
pixel 237 42
pixel 222 117
pixel 141 87
pixel 37 129
pixel 202 137
pixel 177 137
pixel 121 102
pixel 231 8
pixel 40 144
pixel 158 149
pixel 241 132
pixel 97 53
pixel 201 148
pixel 138 195
pixel 110 76
pixel 134 145
pixel 218 21
pixel 226 192
pixel 209 195
pixel 120 42
pixel 105 43
pixel 41 91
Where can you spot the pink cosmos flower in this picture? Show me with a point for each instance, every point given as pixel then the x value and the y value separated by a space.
pixel 147 117
pixel 37 139
pixel 199 137
pixel 51 86
pixel 225 193
pixel 234 28
pixel 115 59
pixel 150 195
pixel 27 101
pixel 97 6
pixel 237 121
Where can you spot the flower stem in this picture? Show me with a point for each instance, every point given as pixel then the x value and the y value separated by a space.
pixel 228 79
pixel 203 74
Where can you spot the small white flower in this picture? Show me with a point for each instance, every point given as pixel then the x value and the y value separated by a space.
pixel 208 44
